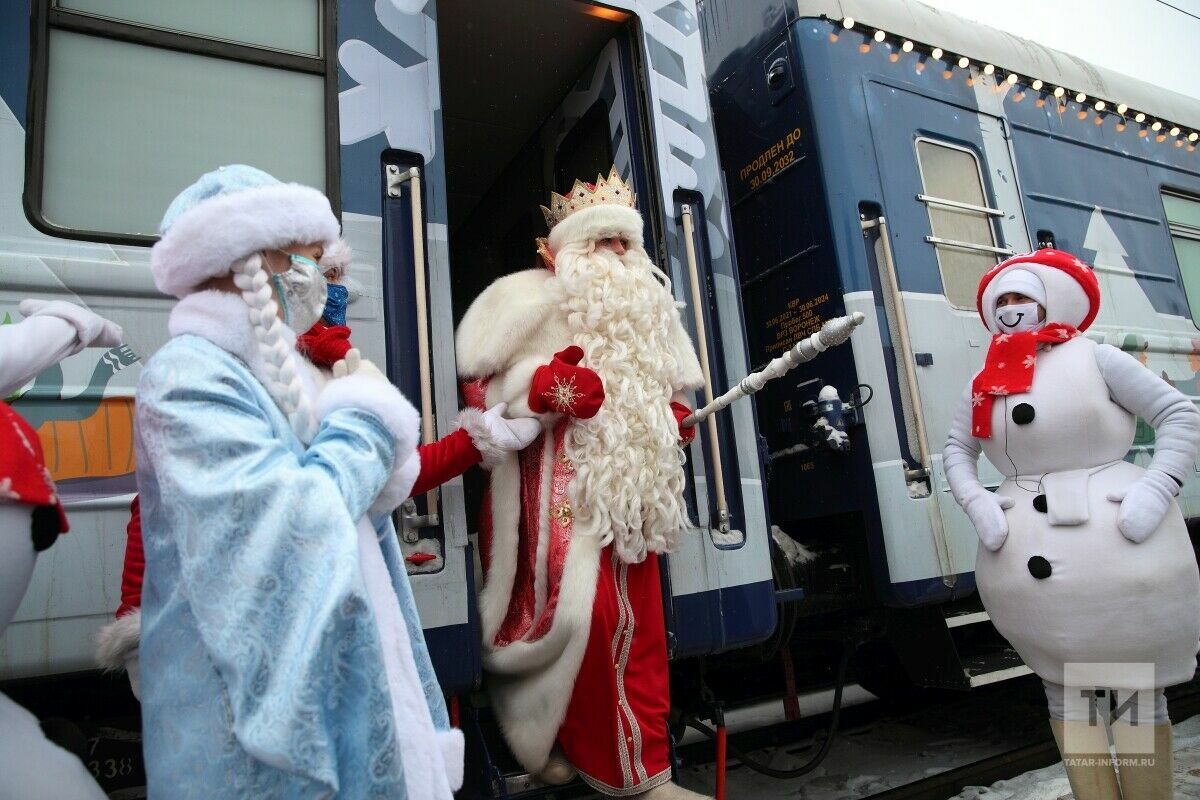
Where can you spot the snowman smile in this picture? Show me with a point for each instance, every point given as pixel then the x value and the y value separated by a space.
pixel 1018 317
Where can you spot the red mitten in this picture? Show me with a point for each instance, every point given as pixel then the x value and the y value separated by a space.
pixel 681 412
pixel 324 344
pixel 564 387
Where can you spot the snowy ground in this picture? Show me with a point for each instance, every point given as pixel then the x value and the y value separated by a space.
pixel 902 748
pixel 1051 783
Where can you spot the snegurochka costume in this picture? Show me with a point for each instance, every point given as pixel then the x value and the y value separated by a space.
pixel 481 437
pixel 281 652
pixel 1084 557
pixel 31 520
pixel 571 609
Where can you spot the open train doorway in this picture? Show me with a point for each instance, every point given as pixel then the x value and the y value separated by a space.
pixel 535 93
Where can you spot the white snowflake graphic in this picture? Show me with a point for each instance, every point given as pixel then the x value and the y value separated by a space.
pixel 998 390
pixel 1028 362
pixel 1002 338
pixel 6 490
pixel 977 399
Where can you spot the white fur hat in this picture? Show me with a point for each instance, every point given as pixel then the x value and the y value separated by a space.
pixel 228 214
pixel 598 222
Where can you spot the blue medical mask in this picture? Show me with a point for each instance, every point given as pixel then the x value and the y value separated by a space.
pixel 301 292
pixel 335 304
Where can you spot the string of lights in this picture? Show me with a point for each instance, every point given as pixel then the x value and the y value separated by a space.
pixel 1145 123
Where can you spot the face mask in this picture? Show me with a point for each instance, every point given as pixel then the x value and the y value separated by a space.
pixel 1019 317
pixel 335 304
pixel 301 291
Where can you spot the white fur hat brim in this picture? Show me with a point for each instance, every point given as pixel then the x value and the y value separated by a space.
pixel 206 240
pixel 597 222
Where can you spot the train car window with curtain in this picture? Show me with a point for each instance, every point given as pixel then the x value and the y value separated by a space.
pixel 134 98
pixel 960 218
pixel 1183 221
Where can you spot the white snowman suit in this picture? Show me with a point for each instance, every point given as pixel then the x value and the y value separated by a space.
pixel 32 767
pixel 1084 557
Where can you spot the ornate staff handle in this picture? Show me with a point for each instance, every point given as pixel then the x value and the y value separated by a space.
pixel 832 333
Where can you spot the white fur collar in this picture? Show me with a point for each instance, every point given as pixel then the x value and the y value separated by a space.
pixel 223 318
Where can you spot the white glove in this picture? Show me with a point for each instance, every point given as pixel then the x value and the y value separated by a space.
pixel 1144 504
pixel 510 434
pixel 986 510
pixel 92 329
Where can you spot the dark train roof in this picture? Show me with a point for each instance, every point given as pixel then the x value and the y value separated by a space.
pixel 985 45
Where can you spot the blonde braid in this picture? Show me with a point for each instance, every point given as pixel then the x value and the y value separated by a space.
pixel 281 379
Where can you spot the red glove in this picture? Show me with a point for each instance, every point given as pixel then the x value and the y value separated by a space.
pixel 325 344
pixel 566 388
pixel 681 412
pixel 135 562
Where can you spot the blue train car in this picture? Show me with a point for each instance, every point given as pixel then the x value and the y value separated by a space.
pixel 436 129
pixel 880 155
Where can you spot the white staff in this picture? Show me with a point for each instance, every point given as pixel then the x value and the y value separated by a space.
pixel 832 333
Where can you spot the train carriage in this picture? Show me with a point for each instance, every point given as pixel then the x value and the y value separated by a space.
pixel 880 156
pixel 436 129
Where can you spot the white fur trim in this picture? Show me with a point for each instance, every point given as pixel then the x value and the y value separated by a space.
pixel 337 255
pixel 398 487
pixel 222 318
pixel 119 640
pixel 453 747
pixel 502 319
pixel 369 393
pixel 598 222
pixel 534 680
pixel 206 240
pixel 471 420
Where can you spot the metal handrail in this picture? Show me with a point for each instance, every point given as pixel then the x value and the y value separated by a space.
pixel 941 201
pixel 412 176
pixel 975 248
pixel 906 349
pixel 714 443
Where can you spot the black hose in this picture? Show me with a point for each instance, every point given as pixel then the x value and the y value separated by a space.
pixel 815 761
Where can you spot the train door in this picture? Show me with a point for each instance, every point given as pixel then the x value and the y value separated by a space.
pixel 527 96
pixel 951 210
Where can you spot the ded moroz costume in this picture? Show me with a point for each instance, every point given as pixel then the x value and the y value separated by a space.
pixel 571 607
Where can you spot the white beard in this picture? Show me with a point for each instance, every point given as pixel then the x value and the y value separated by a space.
pixel 629 480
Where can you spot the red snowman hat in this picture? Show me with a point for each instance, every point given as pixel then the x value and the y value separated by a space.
pixel 24 478
pixel 1072 290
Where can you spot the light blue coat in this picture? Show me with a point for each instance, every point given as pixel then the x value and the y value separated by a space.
pixel 262 673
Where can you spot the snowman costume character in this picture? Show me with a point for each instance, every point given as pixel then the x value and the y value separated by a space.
pixel 31 519
pixel 1084 558
pixel 281 653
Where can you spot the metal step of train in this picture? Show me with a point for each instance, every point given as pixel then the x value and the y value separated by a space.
pixel 953 646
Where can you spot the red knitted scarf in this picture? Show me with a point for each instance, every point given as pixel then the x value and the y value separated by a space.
pixel 1008 369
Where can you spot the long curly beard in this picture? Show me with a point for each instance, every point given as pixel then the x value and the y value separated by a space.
pixel 629 478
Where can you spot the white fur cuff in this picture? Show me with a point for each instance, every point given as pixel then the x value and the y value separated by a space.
pixel 370 393
pixel 452 745
pixel 471 420
pixel 118 640
pixel 398 488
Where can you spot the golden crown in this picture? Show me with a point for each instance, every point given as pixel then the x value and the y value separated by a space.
pixel 605 191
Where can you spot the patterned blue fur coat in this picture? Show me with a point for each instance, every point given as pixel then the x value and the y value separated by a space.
pixel 281 652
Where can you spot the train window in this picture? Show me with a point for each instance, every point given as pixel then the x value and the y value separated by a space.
pixel 133 99
pixel 1183 221
pixel 960 218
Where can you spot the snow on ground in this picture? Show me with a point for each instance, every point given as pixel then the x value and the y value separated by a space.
pixel 903 748
pixel 1051 783
pixel 898 748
